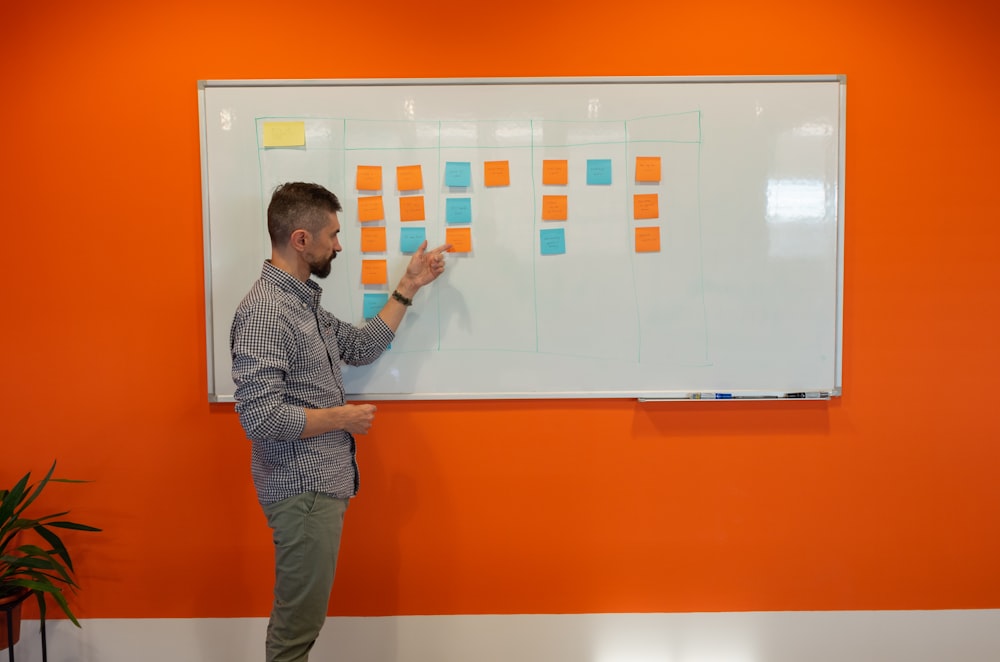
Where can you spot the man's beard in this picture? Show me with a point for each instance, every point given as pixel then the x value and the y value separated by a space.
pixel 322 269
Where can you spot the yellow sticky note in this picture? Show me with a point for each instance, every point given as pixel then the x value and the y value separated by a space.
pixel 372 240
pixel 370 208
pixel 647 240
pixel 647 168
pixel 284 134
pixel 554 208
pixel 369 178
pixel 646 205
pixel 374 272
pixel 411 208
pixel 409 178
pixel 460 239
pixel 496 173
pixel 555 172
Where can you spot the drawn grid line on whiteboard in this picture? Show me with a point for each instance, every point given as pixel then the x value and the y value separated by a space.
pixel 342 185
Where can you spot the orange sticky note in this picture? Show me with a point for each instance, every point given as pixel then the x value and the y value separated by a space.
pixel 411 208
pixel 496 173
pixel 555 172
pixel 554 208
pixel 370 208
pixel 459 238
pixel 374 272
pixel 646 205
pixel 409 178
pixel 647 240
pixel 369 178
pixel 372 240
pixel 647 169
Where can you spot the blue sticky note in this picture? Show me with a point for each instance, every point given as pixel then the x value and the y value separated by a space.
pixel 553 241
pixel 598 171
pixel 458 210
pixel 457 173
pixel 411 238
pixel 374 302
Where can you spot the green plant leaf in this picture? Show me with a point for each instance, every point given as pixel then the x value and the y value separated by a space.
pixel 28 499
pixel 43 576
pixel 36 557
pixel 57 544
pixel 72 525
pixel 40 591
pixel 44 518
pixel 30 566
pixel 31 549
pixel 11 500
pixel 26 564
pixel 37 585
pixel 60 599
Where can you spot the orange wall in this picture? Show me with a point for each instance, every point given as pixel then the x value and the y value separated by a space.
pixel 887 498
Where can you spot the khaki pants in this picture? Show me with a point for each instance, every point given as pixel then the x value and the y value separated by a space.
pixel 307 532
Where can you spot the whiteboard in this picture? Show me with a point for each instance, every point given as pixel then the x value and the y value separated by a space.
pixel 740 298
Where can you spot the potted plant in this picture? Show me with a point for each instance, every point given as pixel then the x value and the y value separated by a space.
pixel 33 558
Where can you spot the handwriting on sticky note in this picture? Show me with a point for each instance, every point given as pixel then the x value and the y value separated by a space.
pixel 458 210
pixel 647 169
pixel 372 240
pixel 411 238
pixel 496 173
pixel 369 178
pixel 284 134
pixel 645 205
pixel 458 173
pixel 409 178
pixel 555 172
pixel 411 208
pixel 647 240
pixel 370 208
pixel 460 239
pixel 552 241
pixel 598 172
pixel 554 208
pixel 374 272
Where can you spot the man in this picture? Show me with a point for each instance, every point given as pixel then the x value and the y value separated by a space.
pixel 286 352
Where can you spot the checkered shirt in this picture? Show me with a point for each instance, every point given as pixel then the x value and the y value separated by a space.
pixel 286 352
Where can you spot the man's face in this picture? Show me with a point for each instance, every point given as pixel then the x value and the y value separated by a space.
pixel 323 247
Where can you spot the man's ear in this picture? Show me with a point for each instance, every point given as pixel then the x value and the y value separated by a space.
pixel 298 239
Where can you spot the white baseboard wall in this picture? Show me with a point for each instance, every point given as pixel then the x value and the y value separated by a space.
pixel 841 636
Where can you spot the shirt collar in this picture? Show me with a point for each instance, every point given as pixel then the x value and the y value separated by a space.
pixel 308 292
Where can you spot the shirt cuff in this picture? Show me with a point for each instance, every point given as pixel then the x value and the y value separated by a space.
pixel 294 425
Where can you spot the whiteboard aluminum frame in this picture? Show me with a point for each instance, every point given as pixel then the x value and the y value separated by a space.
pixel 203 85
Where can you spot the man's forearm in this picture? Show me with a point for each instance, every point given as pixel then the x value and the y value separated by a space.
pixel 393 311
pixel 356 419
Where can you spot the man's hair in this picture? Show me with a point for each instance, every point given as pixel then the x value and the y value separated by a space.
pixel 299 206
